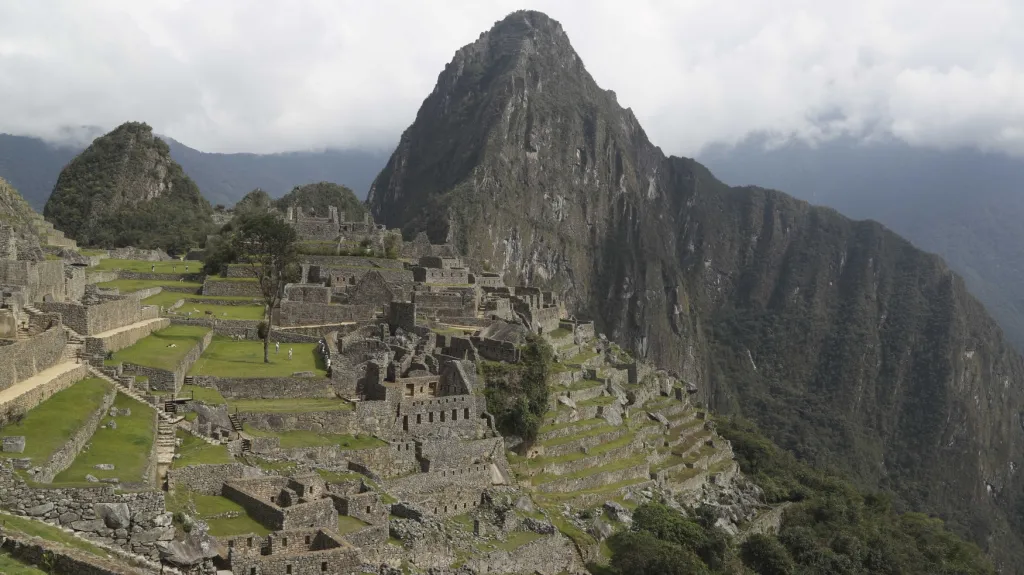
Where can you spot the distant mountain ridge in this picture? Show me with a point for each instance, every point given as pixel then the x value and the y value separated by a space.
pixel 964 205
pixel 31 165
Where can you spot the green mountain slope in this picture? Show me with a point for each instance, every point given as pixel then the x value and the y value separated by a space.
pixel 319 196
pixel 845 343
pixel 125 189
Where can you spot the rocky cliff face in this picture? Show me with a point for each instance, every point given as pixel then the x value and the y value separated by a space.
pixel 125 189
pixel 847 344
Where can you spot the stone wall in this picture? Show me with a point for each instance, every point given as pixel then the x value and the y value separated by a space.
pixel 319 513
pixel 461 454
pixel 98 277
pixel 422 416
pixel 59 558
pixel 25 358
pixel 548 555
pixel 301 313
pixel 133 521
pixel 123 339
pixel 440 276
pixel 496 350
pixel 342 559
pixel 209 479
pixel 309 293
pixel 267 388
pixel 320 421
pixel 165 380
pixel 131 253
pixel 402 314
pixel 369 537
pixel 33 397
pixel 231 288
pixel 246 328
pixel 65 456
pixel 445 303
pixel 97 318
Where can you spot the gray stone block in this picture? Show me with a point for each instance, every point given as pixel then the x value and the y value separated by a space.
pixel 114 515
pixel 14 444
pixel 40 509
pixel 105 466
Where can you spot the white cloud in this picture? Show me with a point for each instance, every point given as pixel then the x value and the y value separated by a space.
pixel 250 75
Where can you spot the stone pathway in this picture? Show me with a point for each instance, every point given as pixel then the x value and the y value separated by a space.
pixel 35 381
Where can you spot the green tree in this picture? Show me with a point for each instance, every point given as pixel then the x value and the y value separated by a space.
pixel 641 553
pixel 765 555
pixel 267 244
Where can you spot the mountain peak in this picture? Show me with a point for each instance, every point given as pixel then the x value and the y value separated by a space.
pixel 772 308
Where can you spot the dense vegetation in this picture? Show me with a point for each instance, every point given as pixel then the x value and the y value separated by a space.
pixel 317 197
pixel 828 528
pixel 125 190
pixel 517 394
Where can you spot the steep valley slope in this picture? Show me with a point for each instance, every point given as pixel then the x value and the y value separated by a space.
pixel 848 345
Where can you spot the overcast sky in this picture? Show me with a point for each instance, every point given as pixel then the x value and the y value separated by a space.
pixel 262 76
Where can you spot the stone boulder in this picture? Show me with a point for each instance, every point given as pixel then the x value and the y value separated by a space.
pixel 659 418
pixel 114 515
pixel 41 509
pixel 600 529
pixel 104 466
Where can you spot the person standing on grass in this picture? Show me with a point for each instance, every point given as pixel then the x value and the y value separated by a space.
pixel 277 347
pixel 289 354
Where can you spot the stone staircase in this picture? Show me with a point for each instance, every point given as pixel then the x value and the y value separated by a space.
pixel 172 419
pixel 74 351
pixel 165 442
pixel 236 425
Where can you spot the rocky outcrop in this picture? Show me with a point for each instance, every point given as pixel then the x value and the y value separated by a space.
pixel 847 344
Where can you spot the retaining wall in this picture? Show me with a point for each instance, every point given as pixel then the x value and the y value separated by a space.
pixel 24 358
pixel 65 456
pixel 123 339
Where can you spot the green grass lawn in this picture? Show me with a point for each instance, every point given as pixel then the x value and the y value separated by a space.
pixel 559 333
pixel 48 532
pixel 86 252
pixel 154 350
pixel 127 447
pixel 48 427
pixel 11 566
pixel 230 358
pixel 348 524
pixel 517 539
pixel 300 438
pixel 195 451
pixel 204 394
pixel 166 298
pixel 209 304
pixel 130 286
pixel 171 267
pixel 236 526
pixel 296 405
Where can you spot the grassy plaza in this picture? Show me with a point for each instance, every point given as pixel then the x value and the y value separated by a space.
pixel 226 357
pixel 131 286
